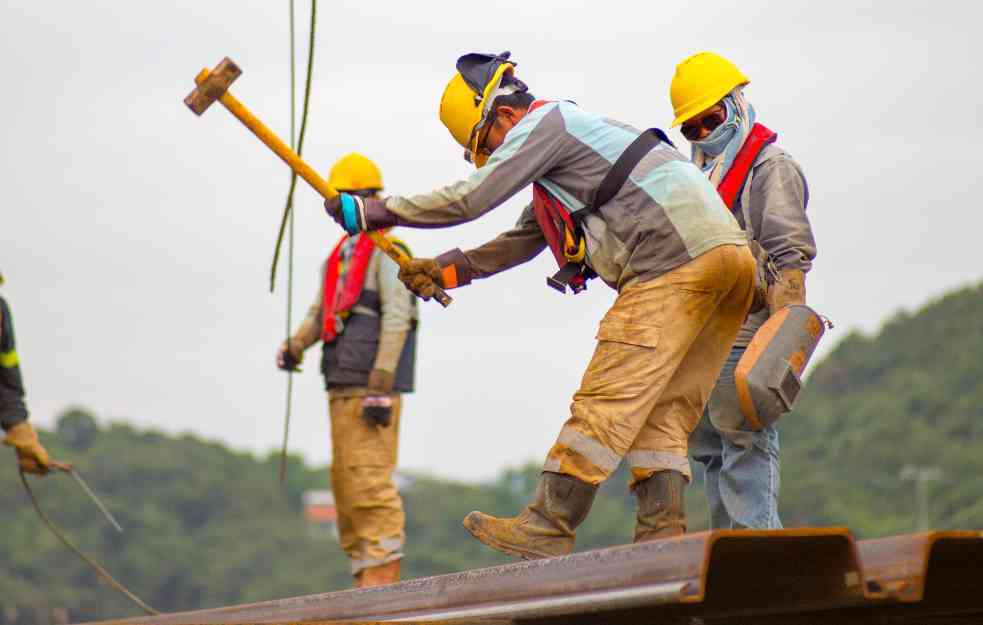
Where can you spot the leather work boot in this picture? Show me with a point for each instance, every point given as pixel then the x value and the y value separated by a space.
pixel 545 528
pixel 661 512
pixel 381 575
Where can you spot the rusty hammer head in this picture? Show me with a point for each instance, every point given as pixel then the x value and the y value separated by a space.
pixel 211 85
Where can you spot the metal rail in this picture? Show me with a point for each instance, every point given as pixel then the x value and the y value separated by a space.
pixel 811 575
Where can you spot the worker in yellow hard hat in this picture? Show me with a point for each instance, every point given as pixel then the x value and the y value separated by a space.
pixel 610 201
pixel 766 190
pixel 31 455
pixel 366 321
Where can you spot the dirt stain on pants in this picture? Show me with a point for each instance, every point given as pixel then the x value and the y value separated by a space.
pixel 660 348
pixel 370 511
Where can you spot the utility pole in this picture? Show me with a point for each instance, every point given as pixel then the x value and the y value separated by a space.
pixel 921 476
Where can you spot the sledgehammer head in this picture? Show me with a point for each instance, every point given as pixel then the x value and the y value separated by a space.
pixel 211 85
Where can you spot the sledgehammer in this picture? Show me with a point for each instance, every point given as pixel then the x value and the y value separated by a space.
pixel 214 85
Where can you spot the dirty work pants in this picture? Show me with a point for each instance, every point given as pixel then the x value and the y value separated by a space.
pixel 742 466
pixel 370 510
pixel 659 351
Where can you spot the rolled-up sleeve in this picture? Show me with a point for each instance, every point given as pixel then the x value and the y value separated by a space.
pixel 397 314
pixel 779 196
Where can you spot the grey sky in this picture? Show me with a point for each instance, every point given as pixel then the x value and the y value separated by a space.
pixel 136 238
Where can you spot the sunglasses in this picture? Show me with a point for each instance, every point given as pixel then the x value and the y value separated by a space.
pixel 692 129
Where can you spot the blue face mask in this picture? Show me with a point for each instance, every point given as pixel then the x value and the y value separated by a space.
pixel 723 134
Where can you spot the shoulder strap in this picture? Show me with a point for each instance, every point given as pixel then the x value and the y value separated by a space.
pixel 730 187
pixel 619 172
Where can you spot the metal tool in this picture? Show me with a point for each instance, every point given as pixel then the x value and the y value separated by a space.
pixel 64 467
pixel 214 85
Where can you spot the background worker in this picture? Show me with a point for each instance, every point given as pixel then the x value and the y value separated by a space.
pixel 767 192
pixel 367 321
pixel 31 455
pixel 665 241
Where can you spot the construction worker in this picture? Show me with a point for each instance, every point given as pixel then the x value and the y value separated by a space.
pixel 766 190
pixel 367 321
pixel 31 455
pixel 653 229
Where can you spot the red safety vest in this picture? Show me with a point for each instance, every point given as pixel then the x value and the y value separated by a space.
pixel 352 279
pixel 730 187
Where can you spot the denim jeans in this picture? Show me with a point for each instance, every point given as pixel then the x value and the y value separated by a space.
pixel 742 466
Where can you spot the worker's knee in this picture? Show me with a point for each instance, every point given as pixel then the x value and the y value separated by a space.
pixel 367 486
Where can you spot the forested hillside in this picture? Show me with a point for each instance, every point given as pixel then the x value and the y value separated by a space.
pixel 208 526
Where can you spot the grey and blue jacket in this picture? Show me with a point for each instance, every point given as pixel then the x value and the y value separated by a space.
pixel 665 215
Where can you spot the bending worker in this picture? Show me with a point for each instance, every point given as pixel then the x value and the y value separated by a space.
pixel 665 241
pixel 31 455
pixel 767 193
pixel 366 320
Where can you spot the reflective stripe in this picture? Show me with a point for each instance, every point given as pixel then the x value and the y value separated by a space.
pixel 9 360
pixel 589 448
pixel 552 464
pixel 365 563
pixel 394 543
pixel 652 459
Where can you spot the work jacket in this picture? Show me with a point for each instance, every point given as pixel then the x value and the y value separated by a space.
pixel 13 410
pixel 666 214
pixel 775 202
pixel 379 332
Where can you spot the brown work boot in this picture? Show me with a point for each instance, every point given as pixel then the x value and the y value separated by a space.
pixel 546 527
pixel 381 575
pixel 661 512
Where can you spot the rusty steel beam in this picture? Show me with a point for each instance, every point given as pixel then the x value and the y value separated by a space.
pixel 932 567
pixel 710 574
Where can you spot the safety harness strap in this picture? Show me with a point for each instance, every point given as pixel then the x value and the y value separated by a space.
pixel 730 187
pixel 576 274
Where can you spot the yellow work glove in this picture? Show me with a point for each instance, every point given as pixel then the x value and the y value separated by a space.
pixel 377 403
pixel 790 288
pixel 31 456
pixel 421 276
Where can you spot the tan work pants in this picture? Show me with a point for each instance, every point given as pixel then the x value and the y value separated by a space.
pixel 370 510
pixel 659 351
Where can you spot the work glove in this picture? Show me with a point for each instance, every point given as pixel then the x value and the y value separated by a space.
pixel 290 355
pixel 31 456
pixel 789 288
pixel 377 404
pixel 357 214
pixel 422 276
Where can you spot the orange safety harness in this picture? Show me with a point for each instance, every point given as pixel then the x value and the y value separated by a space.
pixel 350 272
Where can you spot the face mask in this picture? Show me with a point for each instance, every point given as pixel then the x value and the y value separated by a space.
pixel 718 140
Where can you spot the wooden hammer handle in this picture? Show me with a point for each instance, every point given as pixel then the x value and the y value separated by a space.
pixel 305 171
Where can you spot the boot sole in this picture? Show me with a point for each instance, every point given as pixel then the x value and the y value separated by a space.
pixel 494 543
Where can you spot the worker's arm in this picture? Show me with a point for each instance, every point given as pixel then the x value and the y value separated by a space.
pixel 779 196
pixel 530 150
pixel 396 320
pixel 456 268
pixel 309 331
pixel 31 455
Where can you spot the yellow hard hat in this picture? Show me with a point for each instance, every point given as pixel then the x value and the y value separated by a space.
pixel 701 81
pixel 468 97
pixel 355 172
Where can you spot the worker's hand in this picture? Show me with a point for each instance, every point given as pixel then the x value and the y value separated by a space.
pixel 290 354
pixel 381 382
pixel 789 288
pixel 421 276
pixel 357 214
pixel 31 456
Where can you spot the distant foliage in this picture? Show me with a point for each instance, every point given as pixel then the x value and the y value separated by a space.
pixel 207 526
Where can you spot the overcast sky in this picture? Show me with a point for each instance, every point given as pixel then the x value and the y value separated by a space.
pixel 136 238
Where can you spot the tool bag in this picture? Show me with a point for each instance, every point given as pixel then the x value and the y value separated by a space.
pixel 570 253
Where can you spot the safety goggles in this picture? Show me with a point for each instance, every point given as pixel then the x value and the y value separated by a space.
pixel 709 122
